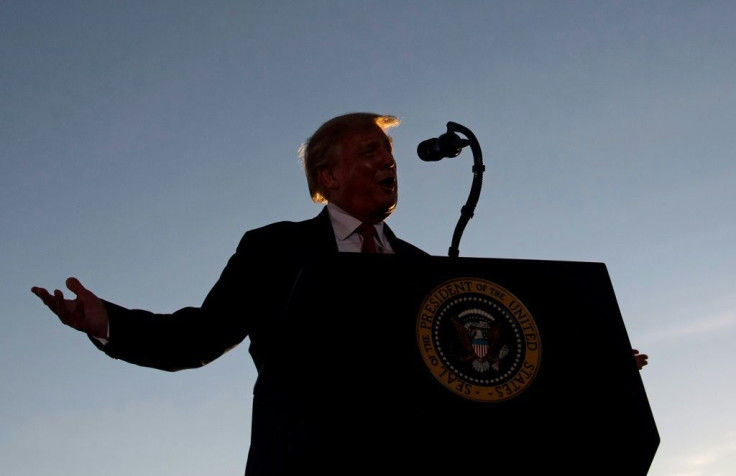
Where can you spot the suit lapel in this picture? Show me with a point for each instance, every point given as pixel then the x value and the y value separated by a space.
pixel 399 246
pixel 319 234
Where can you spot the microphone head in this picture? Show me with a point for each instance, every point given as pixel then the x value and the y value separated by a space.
pixel 448 145
pixel 429 150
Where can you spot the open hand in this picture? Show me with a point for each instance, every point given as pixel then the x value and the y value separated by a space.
pixel 86 312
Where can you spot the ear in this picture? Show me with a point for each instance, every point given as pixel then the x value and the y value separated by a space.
pixel 328 178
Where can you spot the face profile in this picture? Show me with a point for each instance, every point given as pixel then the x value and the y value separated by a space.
pixel 363 180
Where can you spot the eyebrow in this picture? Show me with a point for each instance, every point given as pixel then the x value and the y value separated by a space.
pixel 368 142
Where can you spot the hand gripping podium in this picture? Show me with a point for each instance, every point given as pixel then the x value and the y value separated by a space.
pixel 444 366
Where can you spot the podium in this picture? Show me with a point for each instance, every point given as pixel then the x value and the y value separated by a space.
pixel 440 366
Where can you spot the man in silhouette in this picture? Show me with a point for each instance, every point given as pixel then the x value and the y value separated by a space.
pixel 349 166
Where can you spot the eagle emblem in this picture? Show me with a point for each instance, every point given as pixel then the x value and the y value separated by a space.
pixel 472 339
pixel 479 336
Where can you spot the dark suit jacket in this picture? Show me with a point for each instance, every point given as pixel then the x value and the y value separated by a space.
pixel 247 300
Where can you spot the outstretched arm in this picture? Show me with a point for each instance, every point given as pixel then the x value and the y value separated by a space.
pixel 85 313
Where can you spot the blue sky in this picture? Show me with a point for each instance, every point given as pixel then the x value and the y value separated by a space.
pixel 139 140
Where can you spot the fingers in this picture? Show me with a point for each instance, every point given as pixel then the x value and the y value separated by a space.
pixel 75 286
pixel 61 309
pixel 43 295
pixel 641 360
pixel 85 312
pixel 56 303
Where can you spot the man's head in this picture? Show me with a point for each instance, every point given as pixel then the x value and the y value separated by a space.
pixel 349 161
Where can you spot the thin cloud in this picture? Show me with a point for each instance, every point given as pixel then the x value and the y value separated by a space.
pixel 715 460
pixel 716 323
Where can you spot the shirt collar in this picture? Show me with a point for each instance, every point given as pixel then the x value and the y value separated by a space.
pixel 345 224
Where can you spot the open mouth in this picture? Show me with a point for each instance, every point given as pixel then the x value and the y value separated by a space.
pixel 388 182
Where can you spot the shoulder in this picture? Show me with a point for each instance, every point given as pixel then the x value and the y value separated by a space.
pixel 280 231
pixel 281 227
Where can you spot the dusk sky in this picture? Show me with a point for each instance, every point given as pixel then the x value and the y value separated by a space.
pixel 140 139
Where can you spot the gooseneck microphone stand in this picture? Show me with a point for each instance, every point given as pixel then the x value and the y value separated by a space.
pixel 450 144
pixel 467 211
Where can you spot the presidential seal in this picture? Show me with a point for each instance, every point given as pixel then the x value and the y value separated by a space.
pixel 478 340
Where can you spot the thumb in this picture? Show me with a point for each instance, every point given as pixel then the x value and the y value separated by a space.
pixel 75 286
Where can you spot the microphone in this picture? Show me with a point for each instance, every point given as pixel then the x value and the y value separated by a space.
pixel 447 145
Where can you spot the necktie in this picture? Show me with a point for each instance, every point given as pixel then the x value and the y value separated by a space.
pixel 368 232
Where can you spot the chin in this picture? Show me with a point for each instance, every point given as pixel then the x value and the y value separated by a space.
pixel 389 210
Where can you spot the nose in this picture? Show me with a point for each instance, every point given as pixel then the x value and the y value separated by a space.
pixel 387 160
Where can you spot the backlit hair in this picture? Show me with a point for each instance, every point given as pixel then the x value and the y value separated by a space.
pixel 323 148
